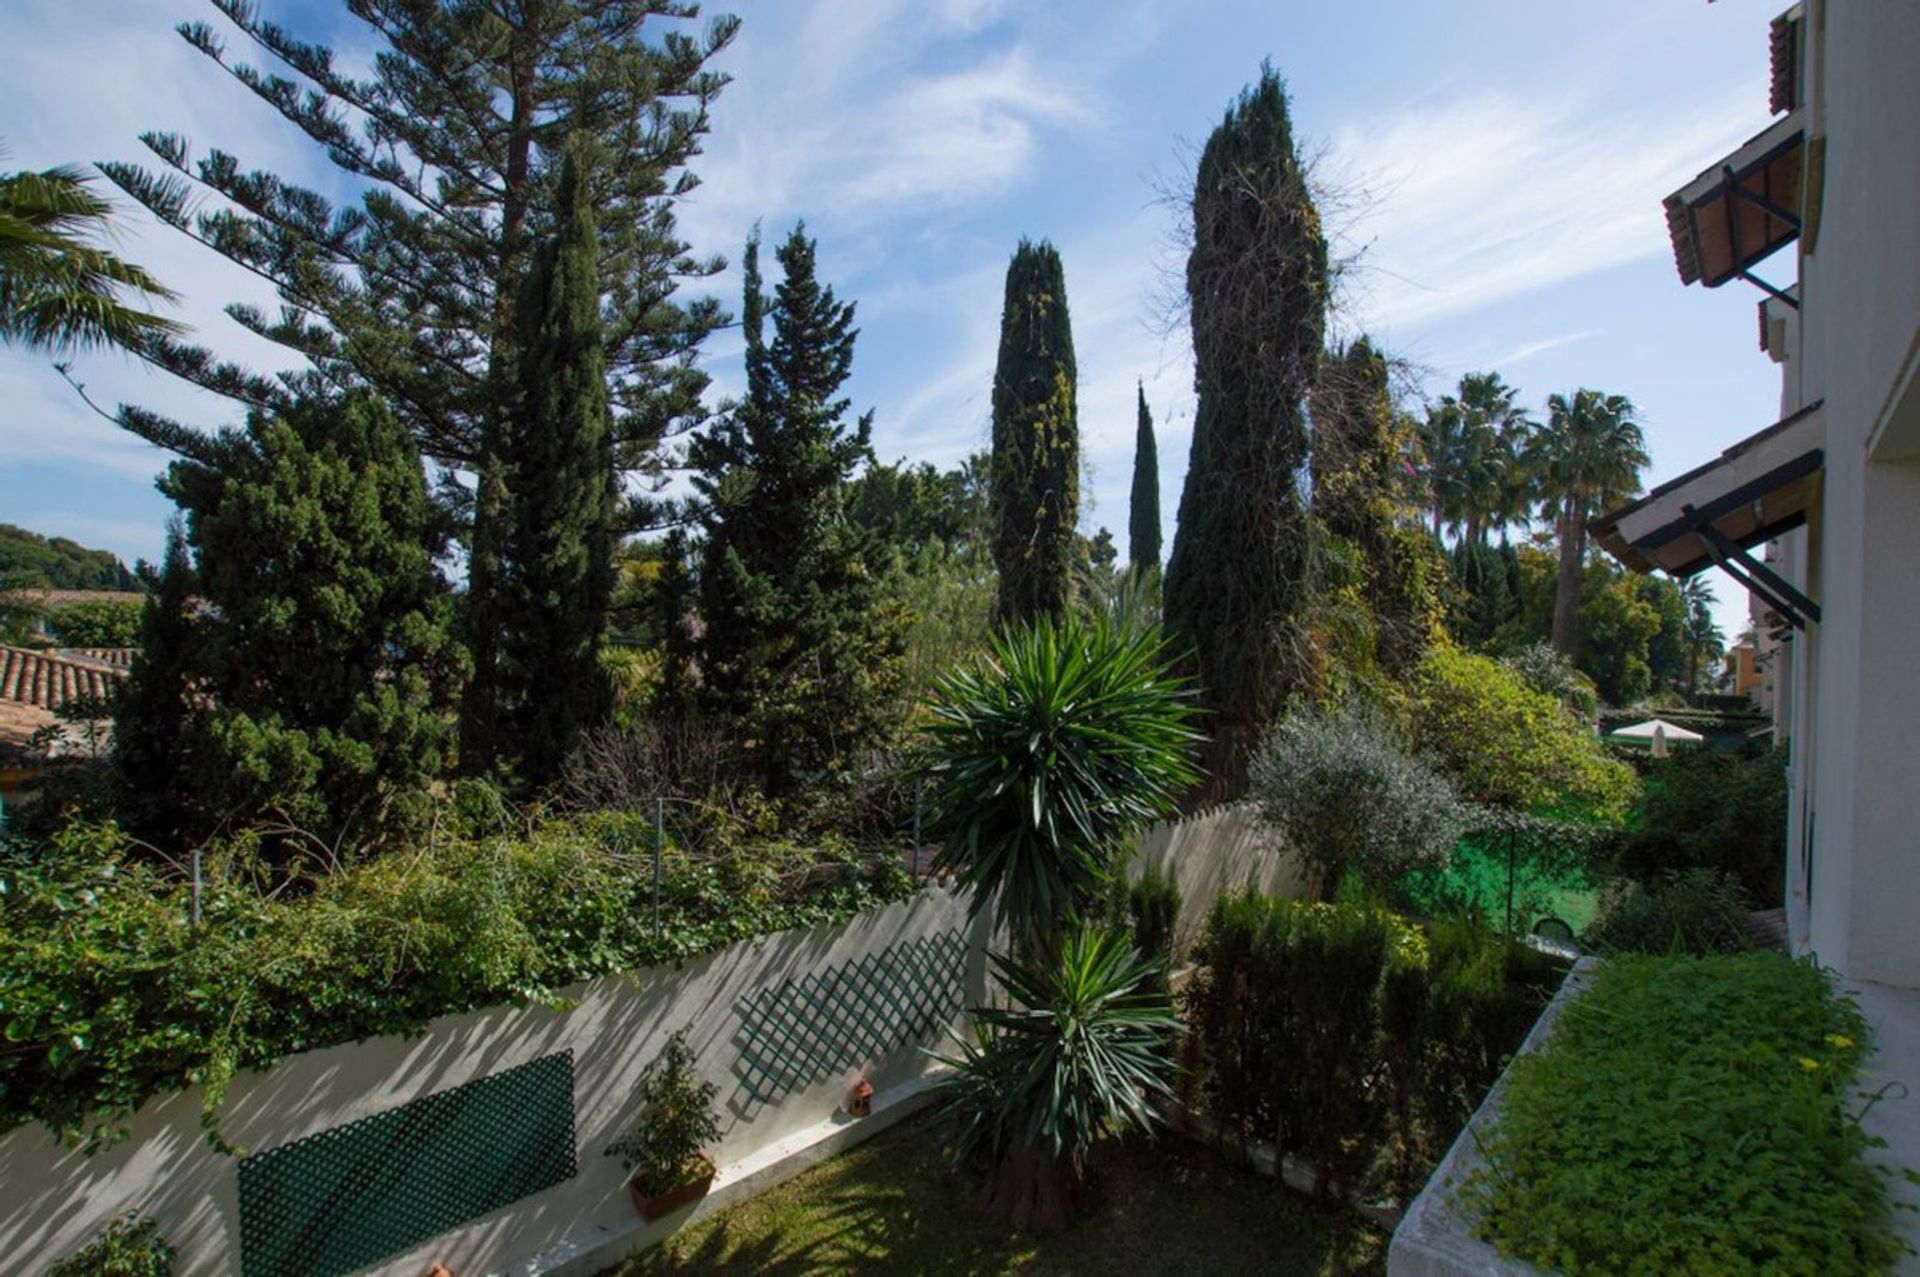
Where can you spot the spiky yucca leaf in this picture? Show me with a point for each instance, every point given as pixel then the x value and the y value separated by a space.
pixel 1045 755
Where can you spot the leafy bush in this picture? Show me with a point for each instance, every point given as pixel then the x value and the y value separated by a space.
pixel 1697 911
pixel 1346 1034
pixel 1082 1051
pixel 96 624
pixel 1507 745
pixel 108 996
pixel 675 1124
pixel 1690 1115
pixel 130 1247
pixel 1153 906
pixel 1341 790
pixel 1715 809
pixel 1547 670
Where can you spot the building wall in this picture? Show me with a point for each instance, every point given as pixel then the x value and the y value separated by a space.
pixel 1860 338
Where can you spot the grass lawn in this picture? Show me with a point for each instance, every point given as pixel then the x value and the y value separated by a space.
pixel 894 1206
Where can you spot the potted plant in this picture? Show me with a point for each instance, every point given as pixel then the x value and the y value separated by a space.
pixel 664 1152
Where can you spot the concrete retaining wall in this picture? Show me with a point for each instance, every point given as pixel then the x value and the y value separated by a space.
pixel 53 1199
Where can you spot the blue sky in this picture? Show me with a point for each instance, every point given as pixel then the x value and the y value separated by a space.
pixel 1499 165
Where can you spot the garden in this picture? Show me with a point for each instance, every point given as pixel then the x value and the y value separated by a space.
pixel 496 654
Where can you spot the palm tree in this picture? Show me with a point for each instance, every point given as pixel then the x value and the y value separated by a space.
pixel 1702 634
pixel 60 291
pixel 1588 457
pixel 1497 480
pixel 1473 447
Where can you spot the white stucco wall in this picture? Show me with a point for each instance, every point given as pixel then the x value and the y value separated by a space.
pixel 1860 337
pixel 53 1199
pixel 1214 852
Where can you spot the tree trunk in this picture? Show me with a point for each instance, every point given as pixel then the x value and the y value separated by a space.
pixel 1033 1190
pixel 1566 590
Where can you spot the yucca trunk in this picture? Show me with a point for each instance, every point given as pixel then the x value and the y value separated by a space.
pixel 1033 1190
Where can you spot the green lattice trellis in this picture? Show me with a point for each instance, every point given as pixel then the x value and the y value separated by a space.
pixel 826 1022
pixel 354 1194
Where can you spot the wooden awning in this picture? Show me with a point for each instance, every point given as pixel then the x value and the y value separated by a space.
pixel 1742 209
pixel 1756 490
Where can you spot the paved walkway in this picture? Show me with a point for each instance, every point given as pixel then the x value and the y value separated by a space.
pixel 1894 1016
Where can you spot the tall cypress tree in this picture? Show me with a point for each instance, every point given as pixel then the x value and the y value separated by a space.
pixel 1257 288
pixel 558 550
pixel 452 141
pixel 798 644
pixel 1036 441
pixel 1143 510
pixel 154 711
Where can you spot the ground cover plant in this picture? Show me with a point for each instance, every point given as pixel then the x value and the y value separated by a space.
pixel 1690 1115
pixel 888 1209
pixel 109 995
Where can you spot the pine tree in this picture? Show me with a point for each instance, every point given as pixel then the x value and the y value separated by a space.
pixel 154 711
pixel 798 645
pixel 1036 441
pixel 1143 511
pixel 453 143
pixel 326 652
pixel 557 556
pixel 1237 581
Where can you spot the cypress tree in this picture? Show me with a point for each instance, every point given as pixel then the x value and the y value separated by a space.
pixel 153 713
pixel 557 557
pixel 451 142
pixel 1236 584
pixel 1143 510
pixel 1036 441
pixel 798 646
pixel 327 652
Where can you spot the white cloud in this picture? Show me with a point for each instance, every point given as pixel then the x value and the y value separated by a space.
pixel 1492 194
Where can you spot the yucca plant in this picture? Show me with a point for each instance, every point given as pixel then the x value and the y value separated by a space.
pixel 1045 756
pixel 1081 1051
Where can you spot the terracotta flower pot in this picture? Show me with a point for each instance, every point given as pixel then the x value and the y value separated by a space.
pixel 653 1205
pixel 860 1099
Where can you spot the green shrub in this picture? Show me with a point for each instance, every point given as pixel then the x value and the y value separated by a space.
pixel 96 624
pixel 108 996
pixel 130 1247
pixel 1507 745
pixel 1343 792
pixel 1153 906
pixel 1697 911
pixel 675 1124
pixel 1715 809
pixel 1343 1033
pixel 1689 1115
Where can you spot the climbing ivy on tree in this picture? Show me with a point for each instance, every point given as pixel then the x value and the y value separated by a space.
pixel 1237 583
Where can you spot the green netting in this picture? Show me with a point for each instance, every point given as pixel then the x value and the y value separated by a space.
pixel 826 1022
pixel 354 1194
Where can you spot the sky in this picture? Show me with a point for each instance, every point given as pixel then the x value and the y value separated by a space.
pixel 1494 171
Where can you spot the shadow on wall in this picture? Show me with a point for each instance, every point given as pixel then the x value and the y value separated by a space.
pixel 1216 851
pixel 52 1199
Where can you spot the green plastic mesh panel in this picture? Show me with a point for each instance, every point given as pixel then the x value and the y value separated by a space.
pixel 806 1030
pixel 354 1194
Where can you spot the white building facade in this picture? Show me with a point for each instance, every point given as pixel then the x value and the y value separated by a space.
pixel 1819 514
